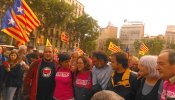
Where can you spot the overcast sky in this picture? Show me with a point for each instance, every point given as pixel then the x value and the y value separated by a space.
pixel 156 14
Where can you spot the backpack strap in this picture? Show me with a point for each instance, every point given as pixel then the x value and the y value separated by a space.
pixel 89 78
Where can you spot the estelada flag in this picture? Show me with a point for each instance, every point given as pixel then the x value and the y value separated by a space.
pixel 27 19
pixel 25 37
pixel 112 47
pixel 11 27
pixel 48 44
pixel 144 48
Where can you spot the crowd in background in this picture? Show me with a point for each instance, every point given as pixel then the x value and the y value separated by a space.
pixel 26 74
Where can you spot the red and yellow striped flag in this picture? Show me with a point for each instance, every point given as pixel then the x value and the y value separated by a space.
pixel 64 37
pixel 144 48
pixel 25 16
pixel 80 52
pixel 112 47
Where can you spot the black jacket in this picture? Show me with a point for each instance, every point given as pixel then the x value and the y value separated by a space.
pixel 14 77
pixel 128 93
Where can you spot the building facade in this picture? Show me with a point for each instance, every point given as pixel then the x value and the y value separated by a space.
pixel 105 33
pixel 79 7
pixel 129 33
pixel 170 34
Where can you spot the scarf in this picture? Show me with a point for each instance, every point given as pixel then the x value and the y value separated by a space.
pixel 125 79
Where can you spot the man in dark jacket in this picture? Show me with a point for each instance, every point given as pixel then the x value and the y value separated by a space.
pixel 123 81
pixel 39 82
pixel 2 70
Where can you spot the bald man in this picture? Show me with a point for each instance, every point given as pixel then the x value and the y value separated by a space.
pixel 39 82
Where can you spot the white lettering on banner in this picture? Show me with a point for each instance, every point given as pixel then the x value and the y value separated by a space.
pixel 62 74
pixel 81 82
pixel 169 94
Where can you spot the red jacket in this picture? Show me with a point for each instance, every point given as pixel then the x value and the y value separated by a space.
pixel 31 80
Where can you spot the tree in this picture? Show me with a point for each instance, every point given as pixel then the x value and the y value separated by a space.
pixel 87 31
pixel 156 45
pixel 52 13
pixel 171 46
pixel 59 13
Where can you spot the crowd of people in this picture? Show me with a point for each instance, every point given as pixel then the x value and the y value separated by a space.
pixel 26 74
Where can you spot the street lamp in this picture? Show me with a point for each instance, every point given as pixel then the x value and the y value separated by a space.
pixel 85 36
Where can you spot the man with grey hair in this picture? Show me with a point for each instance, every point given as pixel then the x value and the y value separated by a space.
pixel 22 56
pixel 166 68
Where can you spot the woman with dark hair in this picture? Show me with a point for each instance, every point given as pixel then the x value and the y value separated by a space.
pixel 14 76
pixel 83 79
pixel 63 79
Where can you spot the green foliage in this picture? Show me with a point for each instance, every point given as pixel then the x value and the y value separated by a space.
pixel 170 46
pixel 156 45
pixel 52 13
pixel 90 46
pixel 59 13
pixel 87 31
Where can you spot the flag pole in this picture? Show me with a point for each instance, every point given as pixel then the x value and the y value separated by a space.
pixel 11 41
